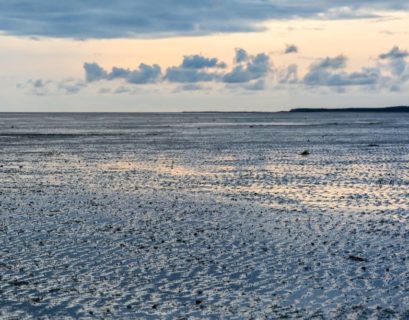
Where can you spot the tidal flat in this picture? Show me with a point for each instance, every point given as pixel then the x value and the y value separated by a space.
pixel 204 215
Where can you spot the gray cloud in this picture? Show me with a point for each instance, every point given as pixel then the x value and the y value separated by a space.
pixel 328 72
pixel 397 61
pixel 241 55
pixel 71 86
pixel 183 75
pixel 289 75
pixel 146 19
pixel 291 49
pixel 93 72
pixel 190 87
pixel 248 72
pixel 195 68
pixel 37 87
pixel 42 87
pixel 124 90
pixel 398 67
pixel 258 85
pixel 394 53
pixel 249 67
pixel 199 62
pixel 338 62
pixel 143 75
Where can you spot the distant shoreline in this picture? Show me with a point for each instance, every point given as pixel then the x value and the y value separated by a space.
pixel 386 109
pixel 397 109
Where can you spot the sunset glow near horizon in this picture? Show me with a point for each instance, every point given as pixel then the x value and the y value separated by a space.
pixel 198 56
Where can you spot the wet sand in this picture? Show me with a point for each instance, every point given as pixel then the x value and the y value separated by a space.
pixel 204 216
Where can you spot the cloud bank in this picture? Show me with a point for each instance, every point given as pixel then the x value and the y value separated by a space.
pixel 85 19
pixel 249 72
pixel 196 68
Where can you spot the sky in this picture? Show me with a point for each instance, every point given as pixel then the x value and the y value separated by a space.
pixel 202 55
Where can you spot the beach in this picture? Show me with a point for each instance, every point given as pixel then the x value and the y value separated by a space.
pixel 204 215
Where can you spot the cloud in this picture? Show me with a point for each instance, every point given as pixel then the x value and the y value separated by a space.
pixel 396 61
pixel 394 53
pixel 71 86
pixel 124 90
pixel 83 19
pixel 93 72
pixel 248 72
pixel 142 75
pixel 329 72
pixel 183 75
pixel 398 67
pixel 40 87
pixel 190 87
pixel 199 62
pixel 289 75
pixel 348 13
pixel 291 49
pixel 195 68
pixel 241 55
pixel 258 85
pixel 338 62
pixel 248 68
